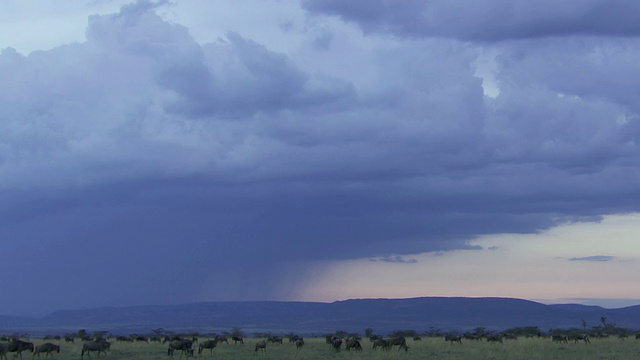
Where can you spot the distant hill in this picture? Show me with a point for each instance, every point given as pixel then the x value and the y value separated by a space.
pixel 383 315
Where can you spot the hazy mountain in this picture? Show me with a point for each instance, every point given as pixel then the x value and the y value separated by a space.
pixel 383 315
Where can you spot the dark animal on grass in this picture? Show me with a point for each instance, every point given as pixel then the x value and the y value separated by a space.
pixel 275 339
pixel 472 337
pixel 453 338
pixel 417 338
pixel 208 344
pixel 353 344
pixel 381 343
pixel 46 348
pixel 399 341
pixel 168 338
pixel 560 339
pixel 493 338
pixel 100 346
pixel 293 338
pixel 581 337
pixel 222 339
pixel 18 346
pixel 262 346
pixel 142 339
pixel 336 344
pixel 299 343
pixel 185 347
pixel 69 339
pixel 237 339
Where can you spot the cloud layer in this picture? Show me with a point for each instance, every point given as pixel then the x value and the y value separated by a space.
pixel 142 159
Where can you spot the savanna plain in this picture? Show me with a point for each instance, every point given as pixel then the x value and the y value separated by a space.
pixel 317 348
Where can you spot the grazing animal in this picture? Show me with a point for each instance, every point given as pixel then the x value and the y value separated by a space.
pixel 400 341
pixel 262 346
pixel 581 337
pixel 185 347
pixel 18 346
pixel 142 339
pixel 222 339
pixel 100 346
pixel 209 344
pixel 237 339
pixel 353 344
pixel 493 338
pixel 560 339
pixel 299 343
pixel 381 343
pixel 69 339
pixel 293 338
pixel 336 344
pixel 46 348
pixel 453 338
pixel 275 339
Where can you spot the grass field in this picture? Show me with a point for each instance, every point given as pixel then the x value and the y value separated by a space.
pixel 428 348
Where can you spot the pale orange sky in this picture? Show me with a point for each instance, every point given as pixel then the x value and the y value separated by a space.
pixel 570 263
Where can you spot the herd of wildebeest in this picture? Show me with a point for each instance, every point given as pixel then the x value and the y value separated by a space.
pixel 187 344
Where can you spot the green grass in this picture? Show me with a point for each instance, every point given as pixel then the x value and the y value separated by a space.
pixel 428 348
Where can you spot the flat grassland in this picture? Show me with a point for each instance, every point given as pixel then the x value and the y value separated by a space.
pixel 427 348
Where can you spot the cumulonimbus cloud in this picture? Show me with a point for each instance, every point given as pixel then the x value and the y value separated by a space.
pixel 486 20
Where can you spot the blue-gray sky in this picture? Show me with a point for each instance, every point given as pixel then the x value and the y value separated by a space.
pixel 159 152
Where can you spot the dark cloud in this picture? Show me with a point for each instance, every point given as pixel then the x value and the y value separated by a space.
pixel 486 20
pixel 142 167
pixel 594 258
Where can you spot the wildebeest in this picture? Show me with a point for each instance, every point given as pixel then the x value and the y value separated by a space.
pixel 494 338
pixel 400 341
pixel 299 343
pixel 18 346
pixel 237 339
pixel 261 345
pixel 222 339
pixel 352 344
pixel 69 339
pixel 580 337
pixel 453 338
pixel 275 339
pixel 46 348
pixel 381 343
pixel 185 347
pixel 141 338
pixel 560 338
pixel 336 343
pixel 124 338
pixel 101 346
pixel 208 344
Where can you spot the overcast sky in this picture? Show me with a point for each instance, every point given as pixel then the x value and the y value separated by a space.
pixel 163 152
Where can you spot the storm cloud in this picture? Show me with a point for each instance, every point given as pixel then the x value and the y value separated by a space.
pixel 487 20
pixel 141 166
